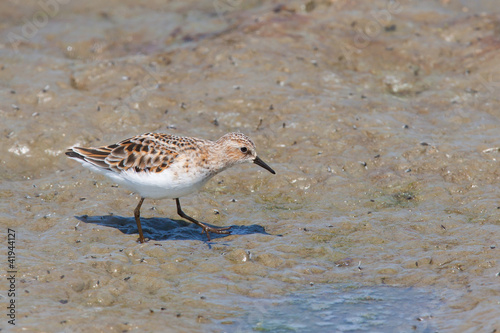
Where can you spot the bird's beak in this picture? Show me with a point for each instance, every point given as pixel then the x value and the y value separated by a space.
pixel 261 163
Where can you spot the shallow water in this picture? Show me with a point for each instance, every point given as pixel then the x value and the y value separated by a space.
pixel 338 309
pixel 380 120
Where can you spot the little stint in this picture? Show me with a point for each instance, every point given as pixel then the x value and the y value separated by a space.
pixel 160 166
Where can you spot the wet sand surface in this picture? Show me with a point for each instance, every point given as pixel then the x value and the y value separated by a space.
pixel 380 118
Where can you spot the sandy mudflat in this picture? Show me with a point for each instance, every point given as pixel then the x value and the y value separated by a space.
pixel 382 122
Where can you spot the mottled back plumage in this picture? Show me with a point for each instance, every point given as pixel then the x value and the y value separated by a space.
pixel 153 152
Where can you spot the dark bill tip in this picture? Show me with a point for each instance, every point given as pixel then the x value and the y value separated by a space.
pixel 261 163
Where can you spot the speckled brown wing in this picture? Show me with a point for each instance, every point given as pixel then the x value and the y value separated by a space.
pixel 94 156
pixel 152 152
pixel 147 152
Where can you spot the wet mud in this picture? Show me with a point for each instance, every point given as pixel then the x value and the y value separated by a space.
pixel 380 118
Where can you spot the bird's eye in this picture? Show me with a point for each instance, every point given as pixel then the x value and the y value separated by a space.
pixel 244 149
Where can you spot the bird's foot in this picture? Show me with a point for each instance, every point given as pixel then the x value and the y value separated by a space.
pixel 142 240
pixel 207 230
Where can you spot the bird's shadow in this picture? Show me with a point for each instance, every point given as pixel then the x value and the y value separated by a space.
pixel 159 229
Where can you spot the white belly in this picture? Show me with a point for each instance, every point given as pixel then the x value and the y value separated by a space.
pixel 171 183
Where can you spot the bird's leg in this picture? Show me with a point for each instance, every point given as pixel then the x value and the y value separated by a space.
pixel 137 214
pixel 206 229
